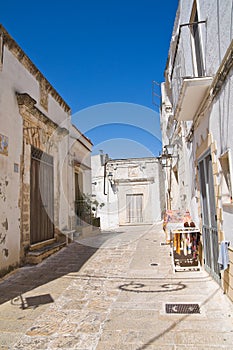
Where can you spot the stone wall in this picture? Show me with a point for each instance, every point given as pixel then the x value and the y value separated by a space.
pixel 227 276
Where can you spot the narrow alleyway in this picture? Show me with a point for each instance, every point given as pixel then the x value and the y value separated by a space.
pixel 109 292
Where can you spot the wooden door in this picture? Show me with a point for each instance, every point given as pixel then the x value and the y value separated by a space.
pixel 134 208
pixel 41 197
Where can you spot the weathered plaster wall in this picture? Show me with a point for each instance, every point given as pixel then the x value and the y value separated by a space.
pixel 130 176
pixel 219 25
pixel 109 212
pixel 216 119
pixel 138 176
pixel 212 127
pixel 9 213
pixel 78 160
pixel 11 79
pixel 18 75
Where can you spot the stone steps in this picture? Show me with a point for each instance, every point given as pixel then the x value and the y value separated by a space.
pixel 36 255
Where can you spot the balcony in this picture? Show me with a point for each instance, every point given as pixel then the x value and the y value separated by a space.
pixel 189 79
pixel 192 93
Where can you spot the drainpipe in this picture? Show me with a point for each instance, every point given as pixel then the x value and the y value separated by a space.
pixel 106 159
pixel 170 186
pixel 105 173
pixel 67 179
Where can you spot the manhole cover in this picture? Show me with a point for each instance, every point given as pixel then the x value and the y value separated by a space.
pixel 154 264
pixel 182 309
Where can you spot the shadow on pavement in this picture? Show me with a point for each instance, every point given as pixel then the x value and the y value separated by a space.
pixel 69 259
pixel 32 302
pixel 152 341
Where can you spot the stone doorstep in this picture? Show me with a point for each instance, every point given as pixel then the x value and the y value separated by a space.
pixel 35 256
pixel 42 244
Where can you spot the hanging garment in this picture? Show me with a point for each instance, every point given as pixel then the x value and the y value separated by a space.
pixel 178 243
pixel 175 241
pixel 194 245
pixel 223 258
pixel 189 244
pixel 184 238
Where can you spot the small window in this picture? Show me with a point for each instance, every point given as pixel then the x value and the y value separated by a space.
pixel 226 177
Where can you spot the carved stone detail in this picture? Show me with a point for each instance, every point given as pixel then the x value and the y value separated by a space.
pixel 44 94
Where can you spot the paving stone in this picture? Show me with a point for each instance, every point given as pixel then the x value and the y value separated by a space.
pixel 201 338
pixel 203 347
pixel 112 298
pixel 119 346
pixel 6 325
pixel 66 342
pixel 8 338
pixel 31 343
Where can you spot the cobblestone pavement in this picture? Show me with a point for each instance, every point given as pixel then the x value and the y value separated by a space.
pixel 109 292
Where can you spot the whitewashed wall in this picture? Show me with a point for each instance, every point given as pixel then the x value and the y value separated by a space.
pixel 145 180
pixel 215 124
pixel 16 78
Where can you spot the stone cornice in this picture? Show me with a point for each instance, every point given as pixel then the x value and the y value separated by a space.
pixel 135 180
pixel 223 71
pixel 26 101
pixel 82 135
pixel 78 164
pixel 16 50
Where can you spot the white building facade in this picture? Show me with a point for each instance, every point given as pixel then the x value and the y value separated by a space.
pixel 37 200
pixel 196 120
pixel 129 189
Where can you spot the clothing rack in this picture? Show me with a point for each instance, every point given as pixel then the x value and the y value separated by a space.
pixel 184 248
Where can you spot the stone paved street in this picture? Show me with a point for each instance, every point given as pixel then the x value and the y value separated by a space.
pixel 109 292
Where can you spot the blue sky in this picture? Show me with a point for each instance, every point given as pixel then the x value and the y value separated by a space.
pixel 99 52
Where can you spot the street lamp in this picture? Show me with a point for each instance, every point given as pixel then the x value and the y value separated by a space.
pixel 166 162
pixel 168 153
pixel 169 150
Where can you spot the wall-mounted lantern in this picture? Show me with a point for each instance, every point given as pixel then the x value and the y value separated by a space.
pixel 167 154
pixel 166 162
pixel 169 150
